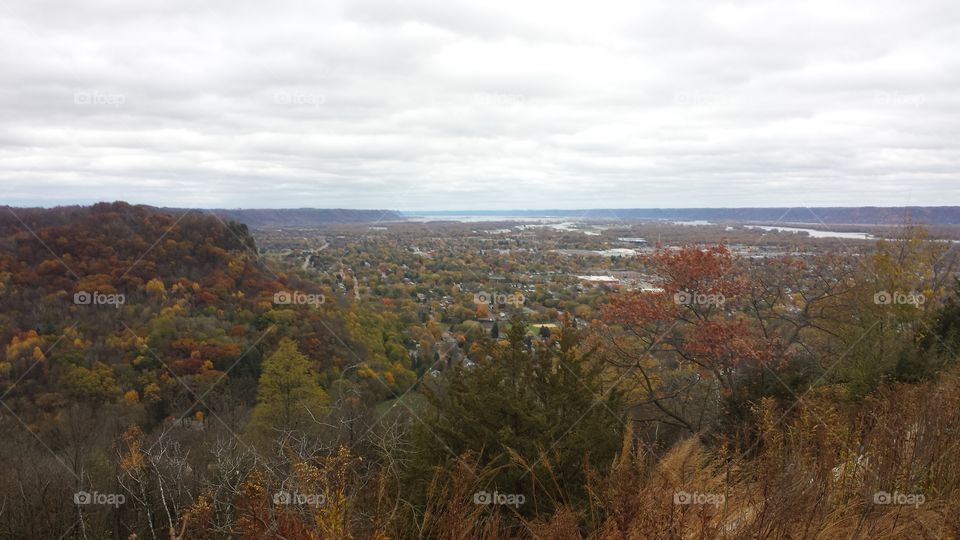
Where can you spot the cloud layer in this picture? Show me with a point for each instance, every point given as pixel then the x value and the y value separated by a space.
pixel 465 105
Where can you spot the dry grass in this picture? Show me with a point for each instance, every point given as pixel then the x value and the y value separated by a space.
pixel 813 474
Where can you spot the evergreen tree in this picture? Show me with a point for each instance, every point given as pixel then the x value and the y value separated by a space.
pixel 289 398
pixel 537 416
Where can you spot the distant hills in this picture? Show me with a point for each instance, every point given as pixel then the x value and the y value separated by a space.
pixel 853 215
pixel 254 217
pixel 304 217
pixel 314 217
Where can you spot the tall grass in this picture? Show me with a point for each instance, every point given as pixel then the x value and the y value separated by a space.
pixel 818 469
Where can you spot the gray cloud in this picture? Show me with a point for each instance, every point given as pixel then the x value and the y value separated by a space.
pixel 428 104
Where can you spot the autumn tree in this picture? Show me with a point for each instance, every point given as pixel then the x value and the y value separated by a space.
pixel 289 398
pixel 901 301
pixel 689 329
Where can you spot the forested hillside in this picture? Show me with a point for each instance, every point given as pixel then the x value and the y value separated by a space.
pixel 118 316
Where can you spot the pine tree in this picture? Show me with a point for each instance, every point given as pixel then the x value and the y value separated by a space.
pixel 539 415
pixel 289 398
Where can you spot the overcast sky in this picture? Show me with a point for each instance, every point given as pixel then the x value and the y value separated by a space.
pixel 446 104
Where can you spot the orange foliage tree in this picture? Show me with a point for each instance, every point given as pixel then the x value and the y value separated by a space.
pixel 692 325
